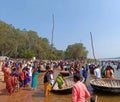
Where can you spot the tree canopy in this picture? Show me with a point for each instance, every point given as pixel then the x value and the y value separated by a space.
pixel 76 51
pixel 18 43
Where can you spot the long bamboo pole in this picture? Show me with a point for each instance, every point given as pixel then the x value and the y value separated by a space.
pixel 52 37
pixel 92 46
pixel 52 31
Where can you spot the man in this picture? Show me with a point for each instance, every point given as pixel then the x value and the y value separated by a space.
pixel 84 73
pixel 97 72
pixel 60 81
pixel 79 90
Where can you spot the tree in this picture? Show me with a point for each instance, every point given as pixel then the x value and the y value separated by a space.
pixel 28 54
pixel 18 43
pixel 76 51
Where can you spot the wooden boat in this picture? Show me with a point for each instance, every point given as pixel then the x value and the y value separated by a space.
pixel 42 68
pixel 106 85
pixel 66 88
pixel 64 73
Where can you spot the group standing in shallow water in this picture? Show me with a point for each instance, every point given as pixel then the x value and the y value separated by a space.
pixel 73 69
pixel 107 72
pixel 19 75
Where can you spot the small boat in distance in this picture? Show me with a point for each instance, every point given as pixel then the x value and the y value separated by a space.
pixel 42 68
pixel 64 73
pixel 66 88
pixel 106 85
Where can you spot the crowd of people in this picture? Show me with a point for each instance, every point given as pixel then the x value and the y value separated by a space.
pixel 18 74
pixel 104 71
pixel 23 73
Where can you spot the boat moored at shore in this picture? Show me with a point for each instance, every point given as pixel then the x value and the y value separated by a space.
pixel 67 86
pixel 106 85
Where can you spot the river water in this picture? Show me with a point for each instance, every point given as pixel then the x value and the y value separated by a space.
pixel 102 97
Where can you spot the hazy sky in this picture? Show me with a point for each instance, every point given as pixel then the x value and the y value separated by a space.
pixel 74 20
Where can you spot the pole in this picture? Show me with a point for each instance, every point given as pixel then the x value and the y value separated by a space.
pixel 92 46
pixel 52 32
pixel 52 37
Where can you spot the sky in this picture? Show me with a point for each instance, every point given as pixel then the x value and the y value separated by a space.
pixel 73 22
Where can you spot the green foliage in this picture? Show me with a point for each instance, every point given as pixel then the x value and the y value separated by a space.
pixel 28 54
pixel 57 54
pixel 18 43
pixel 22 43
pixel 76 51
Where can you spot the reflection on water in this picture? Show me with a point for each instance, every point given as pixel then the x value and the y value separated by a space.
pixel 53 98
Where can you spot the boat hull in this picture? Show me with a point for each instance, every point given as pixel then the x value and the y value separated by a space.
pixel 110 86
pixel 64 91
pixel 67 87
pixel 64 73
pixel 42 70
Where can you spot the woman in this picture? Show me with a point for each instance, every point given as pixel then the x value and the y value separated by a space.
pixel 71 70
pixel 47 85
pixel 27 77
pixel 22 77
pixel 6 71
pixel 34 79
pixel 9 84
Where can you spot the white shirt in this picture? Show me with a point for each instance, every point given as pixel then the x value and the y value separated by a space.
pixel 52 79
pixel 97 73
